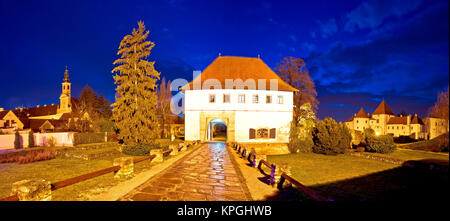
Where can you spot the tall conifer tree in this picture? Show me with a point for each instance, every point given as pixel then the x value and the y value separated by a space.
pixel 134 110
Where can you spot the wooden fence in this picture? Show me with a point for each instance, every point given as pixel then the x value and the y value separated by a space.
pixel 276 177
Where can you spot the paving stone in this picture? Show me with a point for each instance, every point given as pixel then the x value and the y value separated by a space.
pixel 206 174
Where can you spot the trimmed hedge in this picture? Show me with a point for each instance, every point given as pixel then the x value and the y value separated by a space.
pixel 380 144
pixel 84 138
pixel 331 138
pixel 141 149
pixel 437 144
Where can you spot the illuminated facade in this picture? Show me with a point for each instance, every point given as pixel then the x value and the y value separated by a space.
pixel 251 114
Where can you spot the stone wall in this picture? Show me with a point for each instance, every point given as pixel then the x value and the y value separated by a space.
pixel 267 148
pixel 40 139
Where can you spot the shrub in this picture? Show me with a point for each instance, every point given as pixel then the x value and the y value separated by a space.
pixel 369 132
pixel 31 139
pixel 84 138
pixel 437 144
pixel 106 125
pixel 331 138
pixel 380 144
pixel 17 140
pixel 34 156
pixel 51 141
pixel 404 139
pixel 140 149
pixel 300 140
pixel 28 156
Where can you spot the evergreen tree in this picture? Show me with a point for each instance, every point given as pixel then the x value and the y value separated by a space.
pixel 164 96
pixel 31 139
pixel 134 110
pixel 17 140
pixel 104 107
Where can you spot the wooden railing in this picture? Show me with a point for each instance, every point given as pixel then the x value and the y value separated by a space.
pixel 283 176
pixel 74 180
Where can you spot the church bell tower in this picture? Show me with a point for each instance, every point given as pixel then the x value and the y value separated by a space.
pixel 64 99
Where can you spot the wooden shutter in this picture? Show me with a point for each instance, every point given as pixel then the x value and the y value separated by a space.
pixel 273 133
pixel 251 133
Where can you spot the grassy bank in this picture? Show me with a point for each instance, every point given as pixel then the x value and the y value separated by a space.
pixel 346 177
pixel 63 168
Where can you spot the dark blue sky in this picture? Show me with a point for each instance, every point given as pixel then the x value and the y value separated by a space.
pixel 357 52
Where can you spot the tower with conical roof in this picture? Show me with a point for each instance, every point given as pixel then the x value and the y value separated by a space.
pixel 64 99
pixel 382 114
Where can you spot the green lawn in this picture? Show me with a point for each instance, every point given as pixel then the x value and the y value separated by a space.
pixel 406 154
pixel 345 177
pixel 312 169
pixel 63 168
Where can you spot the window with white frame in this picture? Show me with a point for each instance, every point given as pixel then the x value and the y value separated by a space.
pixel 280 99
pixel 268 99
pixel 226 98
pixel 255 98
pixel 241 98
pixel 212 98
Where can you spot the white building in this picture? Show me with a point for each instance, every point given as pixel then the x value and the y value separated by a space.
pixel 244 94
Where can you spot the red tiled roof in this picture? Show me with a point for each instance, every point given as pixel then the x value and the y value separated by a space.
pixel 37 111
pixel 35 124
pixel 398 120
pixel 351 119
pixel 362 114
pixel 416 120
pixel 3 113
pixel 229 67
pixel 383 108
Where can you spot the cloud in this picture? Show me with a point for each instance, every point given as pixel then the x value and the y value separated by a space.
pixel 409 65
pixel 371 14
pixel 308 46
pixel 293 38
pixel 328 28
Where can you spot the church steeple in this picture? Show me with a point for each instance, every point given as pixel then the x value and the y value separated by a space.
pixel 64 99
pixel 66 75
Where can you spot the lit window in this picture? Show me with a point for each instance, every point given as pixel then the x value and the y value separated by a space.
pixel 268 99
pixel 255 99
pixel 212 98
pixel 280 99
pixel 226 98
pixel 241 98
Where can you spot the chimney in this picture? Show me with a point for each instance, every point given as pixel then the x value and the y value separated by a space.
pixel 1 109
pixel 37 105
pixel 408 119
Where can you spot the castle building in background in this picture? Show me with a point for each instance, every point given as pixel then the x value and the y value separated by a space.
pixel 53 117
pixel 383 121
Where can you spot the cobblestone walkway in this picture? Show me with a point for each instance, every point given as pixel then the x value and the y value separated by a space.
pixel 206 174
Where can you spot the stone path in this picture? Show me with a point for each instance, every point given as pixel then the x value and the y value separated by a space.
pixel 207 174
